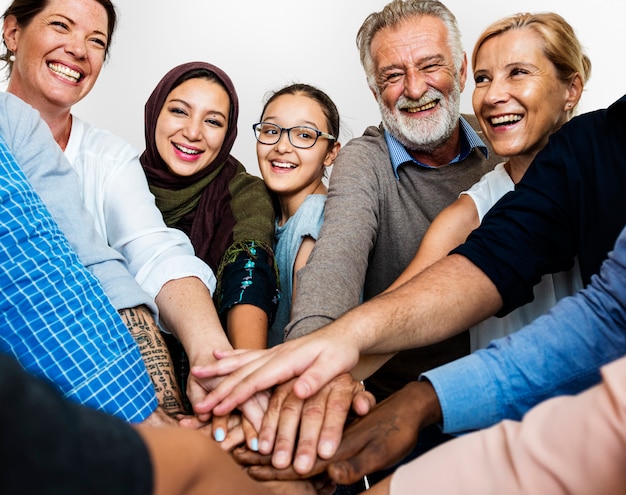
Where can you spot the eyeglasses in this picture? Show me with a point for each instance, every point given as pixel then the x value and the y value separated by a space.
pixel 301 137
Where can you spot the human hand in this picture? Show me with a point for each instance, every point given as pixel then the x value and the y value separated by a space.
pixel 314 359
pixel 322 486
pixel 376 441
pixel 386 435
pixel 160 418
pixel 238 430
pixel 253 409
pixel 318 422
pixel 231 432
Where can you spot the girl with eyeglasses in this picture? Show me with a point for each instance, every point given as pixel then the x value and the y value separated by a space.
pixel 296 143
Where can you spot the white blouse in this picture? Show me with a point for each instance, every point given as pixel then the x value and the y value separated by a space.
pixel 116 193
pixel 553 287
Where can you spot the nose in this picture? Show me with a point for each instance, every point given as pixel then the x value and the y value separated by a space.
pixel 77 47
pixel 283 145
pixel 415 84
pixel 192 129
pixel 496 92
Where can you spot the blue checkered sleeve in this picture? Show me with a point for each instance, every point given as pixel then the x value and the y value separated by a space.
pixel 54 316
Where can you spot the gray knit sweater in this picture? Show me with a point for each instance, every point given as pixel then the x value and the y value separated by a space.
pixel 372 229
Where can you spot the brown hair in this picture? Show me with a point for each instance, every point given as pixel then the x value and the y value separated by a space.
pixel 26 10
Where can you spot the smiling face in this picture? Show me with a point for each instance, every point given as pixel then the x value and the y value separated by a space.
pixel 59 54
pixel 291 171
pixel 519 99
pixel 192 125
pixel 417 86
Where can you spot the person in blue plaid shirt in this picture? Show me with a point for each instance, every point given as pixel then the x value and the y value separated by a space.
pixel 55 317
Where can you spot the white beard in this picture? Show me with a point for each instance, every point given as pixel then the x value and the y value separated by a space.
pixel 427 133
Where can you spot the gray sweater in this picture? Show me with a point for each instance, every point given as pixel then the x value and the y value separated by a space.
pixel 372 229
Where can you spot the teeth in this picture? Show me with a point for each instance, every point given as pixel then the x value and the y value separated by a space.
pixel 65 72
pixel 283 165
pixel 428 106
pixel 506 119
pixel 186 150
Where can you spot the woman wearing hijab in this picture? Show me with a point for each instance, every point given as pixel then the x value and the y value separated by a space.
pixel 201 189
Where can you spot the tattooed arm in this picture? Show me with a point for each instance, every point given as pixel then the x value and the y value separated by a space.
pixel 146 333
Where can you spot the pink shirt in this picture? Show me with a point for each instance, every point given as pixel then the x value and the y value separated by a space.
pixel 573 445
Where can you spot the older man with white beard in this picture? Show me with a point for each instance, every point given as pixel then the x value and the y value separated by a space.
pixel 390 183
pixel 386 188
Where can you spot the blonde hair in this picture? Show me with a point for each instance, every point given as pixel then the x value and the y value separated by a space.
pixel 560 43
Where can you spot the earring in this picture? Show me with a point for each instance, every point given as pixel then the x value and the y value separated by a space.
pixel 12 58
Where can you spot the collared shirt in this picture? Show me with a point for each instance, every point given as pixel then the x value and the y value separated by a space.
pixel 54 316
pixel 469 140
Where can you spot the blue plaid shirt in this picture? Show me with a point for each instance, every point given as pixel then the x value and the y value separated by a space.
pixel 54 316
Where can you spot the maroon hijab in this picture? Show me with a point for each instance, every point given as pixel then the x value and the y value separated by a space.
pixel 210 225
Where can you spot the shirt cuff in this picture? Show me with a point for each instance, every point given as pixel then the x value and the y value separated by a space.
pixel 467 395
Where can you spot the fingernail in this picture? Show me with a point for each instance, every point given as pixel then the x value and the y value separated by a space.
pixel 338 471
pixel 326 450
pixel 302 464
pixel 281 459
pixel 265 447
pixel 220 435
pixel 254 444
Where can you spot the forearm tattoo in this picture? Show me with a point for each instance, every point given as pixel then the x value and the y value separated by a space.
pixel 156 357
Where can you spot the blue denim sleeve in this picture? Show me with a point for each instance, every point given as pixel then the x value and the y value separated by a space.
pixel 559 353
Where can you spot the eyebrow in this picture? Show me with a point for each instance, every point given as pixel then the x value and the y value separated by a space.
pixel 73 23
pixel 306 122
pixel 422 61
pixel 183 102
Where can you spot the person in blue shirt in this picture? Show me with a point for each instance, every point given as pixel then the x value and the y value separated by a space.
pixel 55 317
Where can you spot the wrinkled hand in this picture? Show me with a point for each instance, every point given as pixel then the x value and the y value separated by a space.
pixel 317 422
pixel 315 359
pixel 374 442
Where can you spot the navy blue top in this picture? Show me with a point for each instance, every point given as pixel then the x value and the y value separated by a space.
pixel 571 202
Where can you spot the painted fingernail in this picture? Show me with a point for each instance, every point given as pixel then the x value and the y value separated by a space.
pixel 254 444
pixel 220 435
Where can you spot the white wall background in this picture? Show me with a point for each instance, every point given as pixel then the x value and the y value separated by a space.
pixel 155 35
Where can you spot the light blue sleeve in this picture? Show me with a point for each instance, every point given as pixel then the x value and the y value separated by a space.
pixel 559 353
pixel 55 181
